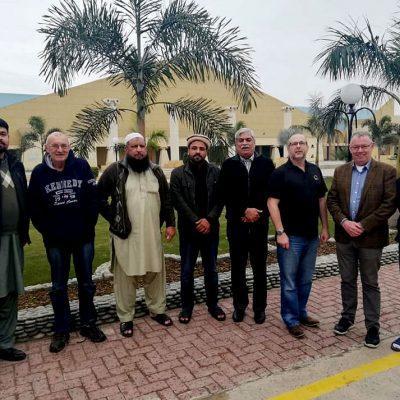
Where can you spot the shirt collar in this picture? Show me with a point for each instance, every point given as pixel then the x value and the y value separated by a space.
pixel 360 168
pixel 251 159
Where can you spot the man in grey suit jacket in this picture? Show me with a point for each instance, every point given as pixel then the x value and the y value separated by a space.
pixel 361 200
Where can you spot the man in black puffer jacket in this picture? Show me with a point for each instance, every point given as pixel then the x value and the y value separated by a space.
pixel 63 202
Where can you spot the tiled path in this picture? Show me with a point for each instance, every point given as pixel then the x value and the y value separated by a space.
pixel 188 361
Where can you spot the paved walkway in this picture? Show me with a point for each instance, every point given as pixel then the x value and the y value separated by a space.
pixel 188 361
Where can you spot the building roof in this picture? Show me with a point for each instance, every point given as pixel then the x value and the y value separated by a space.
pixel 7 99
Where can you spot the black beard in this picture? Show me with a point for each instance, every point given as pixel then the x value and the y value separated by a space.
pixel 195 162
pixel 138 165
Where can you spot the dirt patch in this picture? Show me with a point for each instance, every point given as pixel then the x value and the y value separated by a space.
pixel 40 297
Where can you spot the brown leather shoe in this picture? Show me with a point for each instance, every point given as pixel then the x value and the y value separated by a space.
pixel 310 322
pixel 296 331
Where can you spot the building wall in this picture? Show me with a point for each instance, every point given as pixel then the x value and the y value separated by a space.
pixel 266 120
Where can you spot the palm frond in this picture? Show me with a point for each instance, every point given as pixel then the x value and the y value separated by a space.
pixel 196 47
pixel 37 124
pixel 90 39
pixel 375 95
pixel 155 139
pixel 351 51
pixel 139 13
pixel 202 116
pixel 91 125
pixel 28 141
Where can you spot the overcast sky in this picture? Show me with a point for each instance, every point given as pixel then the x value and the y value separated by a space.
pixel 283 34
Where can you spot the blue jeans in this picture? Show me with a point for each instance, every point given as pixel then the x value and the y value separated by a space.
pixel 59 259
pixel 190 246
pixel 296 265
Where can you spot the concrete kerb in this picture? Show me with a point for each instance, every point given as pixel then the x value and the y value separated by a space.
pixel 34 323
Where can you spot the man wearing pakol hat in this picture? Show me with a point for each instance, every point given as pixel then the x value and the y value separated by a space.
pixel 193 192
pixel 140 204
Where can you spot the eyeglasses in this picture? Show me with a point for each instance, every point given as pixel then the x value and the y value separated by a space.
pixel 360 147
pixel 63 146
pixel 301 143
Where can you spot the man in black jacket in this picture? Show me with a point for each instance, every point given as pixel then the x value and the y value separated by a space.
pixel 14 227
pixel 243 185
pixel 62 198
pixel 193 192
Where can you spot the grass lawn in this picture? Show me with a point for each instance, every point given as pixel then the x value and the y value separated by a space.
pixel 37 269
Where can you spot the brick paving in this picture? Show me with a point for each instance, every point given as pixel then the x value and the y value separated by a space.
pixel 189 361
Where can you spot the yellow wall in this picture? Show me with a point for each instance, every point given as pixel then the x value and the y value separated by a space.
pixel 266 120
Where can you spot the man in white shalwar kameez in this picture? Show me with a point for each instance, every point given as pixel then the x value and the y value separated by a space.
pixel 140 203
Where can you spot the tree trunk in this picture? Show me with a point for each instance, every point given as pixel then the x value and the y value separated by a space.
pixel 317 152
pixel 141 123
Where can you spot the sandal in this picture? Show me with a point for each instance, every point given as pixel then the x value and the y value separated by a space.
pixel 184 317
pixel 126 328
pixel 217 313
pixel 162 319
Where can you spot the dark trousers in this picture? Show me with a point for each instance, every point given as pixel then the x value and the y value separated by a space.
pixel 8 319
pixel 190 246
pixel 247 239
pixel 59 260
pixel 351 260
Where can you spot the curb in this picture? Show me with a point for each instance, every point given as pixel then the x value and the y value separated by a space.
pixel 35 323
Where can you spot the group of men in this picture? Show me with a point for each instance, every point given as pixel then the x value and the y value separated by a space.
pixel 63 202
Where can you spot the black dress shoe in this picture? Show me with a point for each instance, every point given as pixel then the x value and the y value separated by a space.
pixel 259 317
pixel 95 334
pixel 58 342
pixel 12 354
pixel 238 316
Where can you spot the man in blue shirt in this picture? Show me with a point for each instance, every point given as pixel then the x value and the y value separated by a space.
pixel 361 200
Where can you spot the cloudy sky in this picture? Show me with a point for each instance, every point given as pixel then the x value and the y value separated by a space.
pixel 283 34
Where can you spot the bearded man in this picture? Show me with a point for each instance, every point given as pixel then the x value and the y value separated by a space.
pixel 14 228
pixel 140 204
pixel 194 195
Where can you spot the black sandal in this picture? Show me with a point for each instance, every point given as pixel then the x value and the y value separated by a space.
pixel 217 313
pixel 184 317
pixel 162 319
pixel 126 328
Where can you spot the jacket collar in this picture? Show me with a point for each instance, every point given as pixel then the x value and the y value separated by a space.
pixel 237 157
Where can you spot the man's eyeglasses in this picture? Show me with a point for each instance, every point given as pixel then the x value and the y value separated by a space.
pixel 360 147
pixel 59 146
pixel 301 143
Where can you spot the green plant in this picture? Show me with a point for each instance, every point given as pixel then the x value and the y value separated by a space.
pixel 154 141
pixel 146 47
pixel 36 136
pixel 95 171
pixel 383 133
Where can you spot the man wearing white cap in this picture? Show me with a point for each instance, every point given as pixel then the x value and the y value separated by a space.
pixel 193 192
pixel 140 204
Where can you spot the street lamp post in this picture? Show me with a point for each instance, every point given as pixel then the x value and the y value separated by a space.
pixel 115 145
pixel 350 95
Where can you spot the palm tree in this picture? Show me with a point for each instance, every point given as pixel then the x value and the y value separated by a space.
pixel 153 142
pixel 383 133
pixel 218 153
pixel 321 123
pixel 36 136
pixel 145 47
pixel 354 52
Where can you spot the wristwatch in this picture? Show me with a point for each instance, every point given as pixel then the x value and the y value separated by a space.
pixel 280 232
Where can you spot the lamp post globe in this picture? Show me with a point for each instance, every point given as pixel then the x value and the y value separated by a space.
pixel 351 94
